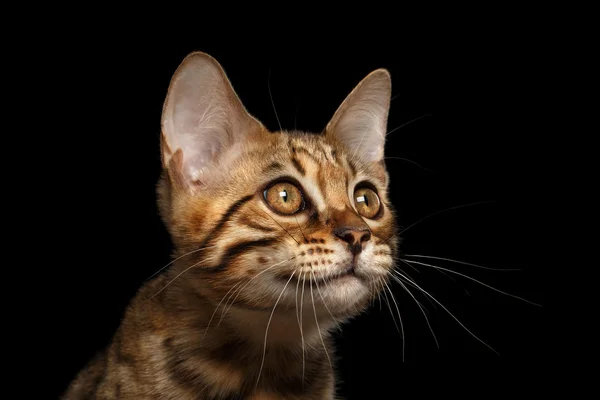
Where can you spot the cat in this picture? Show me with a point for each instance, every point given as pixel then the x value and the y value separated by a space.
pixel 279 237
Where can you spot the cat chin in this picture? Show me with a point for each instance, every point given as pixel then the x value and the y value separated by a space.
pixel 341 295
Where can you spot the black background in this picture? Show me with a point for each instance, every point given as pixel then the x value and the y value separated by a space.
pixel 472 101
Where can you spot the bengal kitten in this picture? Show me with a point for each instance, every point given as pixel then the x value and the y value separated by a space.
pixel 279 237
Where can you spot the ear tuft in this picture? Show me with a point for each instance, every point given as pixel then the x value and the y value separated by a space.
pixel 360 123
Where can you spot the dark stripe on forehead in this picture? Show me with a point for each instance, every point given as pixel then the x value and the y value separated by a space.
pixel 298 166
pixel 239 248
pixel 304 152
pixel 322 152
pixel 273 167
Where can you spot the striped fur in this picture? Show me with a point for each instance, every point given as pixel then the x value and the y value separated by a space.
pixel 198 331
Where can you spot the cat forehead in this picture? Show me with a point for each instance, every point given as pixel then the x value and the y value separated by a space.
pixel 314 155
pixel 300 149
pixel 312 145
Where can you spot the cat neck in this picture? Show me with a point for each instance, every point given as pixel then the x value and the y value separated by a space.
pixel 279 327
pixel 249 349
pixel 286 328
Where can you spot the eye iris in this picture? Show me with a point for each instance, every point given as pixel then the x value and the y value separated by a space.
pixel 367 202
pixel 284 198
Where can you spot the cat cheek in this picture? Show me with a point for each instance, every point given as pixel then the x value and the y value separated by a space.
pixel 375 260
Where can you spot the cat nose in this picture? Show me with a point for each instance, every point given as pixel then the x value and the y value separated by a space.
pixel 354 236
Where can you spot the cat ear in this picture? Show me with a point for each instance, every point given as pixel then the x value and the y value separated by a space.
pixel 360 123
pixel 202 119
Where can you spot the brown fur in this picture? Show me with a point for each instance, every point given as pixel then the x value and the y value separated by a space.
pixel 197 331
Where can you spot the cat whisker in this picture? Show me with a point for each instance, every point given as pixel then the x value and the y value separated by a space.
pixel 217 308
pixel 268 324
pixel 228 305
pixel 286 231
pixel 445 210
pixel 410 161
pixel 436 213
pixel 411 279
pixel 418 305
pixel 400 318
pixel 298 317
pixel 303 235
pixel 407 123
pixel 296 299
pixel 323 299
pixel 317 321
pixel 387 300
pixel 178 275
pixel 447 276
pixel 414 284
pixel 377 288
pixel 461 262
pixel 372 290
pixel 379 298
pixel 302 324
pixel 326 282
pixel 271 97
pixel 178 258
pixel 422 311
pixel 412 267
pixel 472 279
pixel 249 281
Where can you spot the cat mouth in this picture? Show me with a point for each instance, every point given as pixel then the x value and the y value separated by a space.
pixel 316 277
pixel 348 272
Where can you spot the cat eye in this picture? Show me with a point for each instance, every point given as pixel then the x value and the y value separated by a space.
pixel 284 198
pixel 367 202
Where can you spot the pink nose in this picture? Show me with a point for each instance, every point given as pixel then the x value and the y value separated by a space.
pixel 355 237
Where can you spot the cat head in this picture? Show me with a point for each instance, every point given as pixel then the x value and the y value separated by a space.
pixel 267 210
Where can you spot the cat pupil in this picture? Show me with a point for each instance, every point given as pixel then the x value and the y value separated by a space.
pixel 283 195
pixel 362 199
